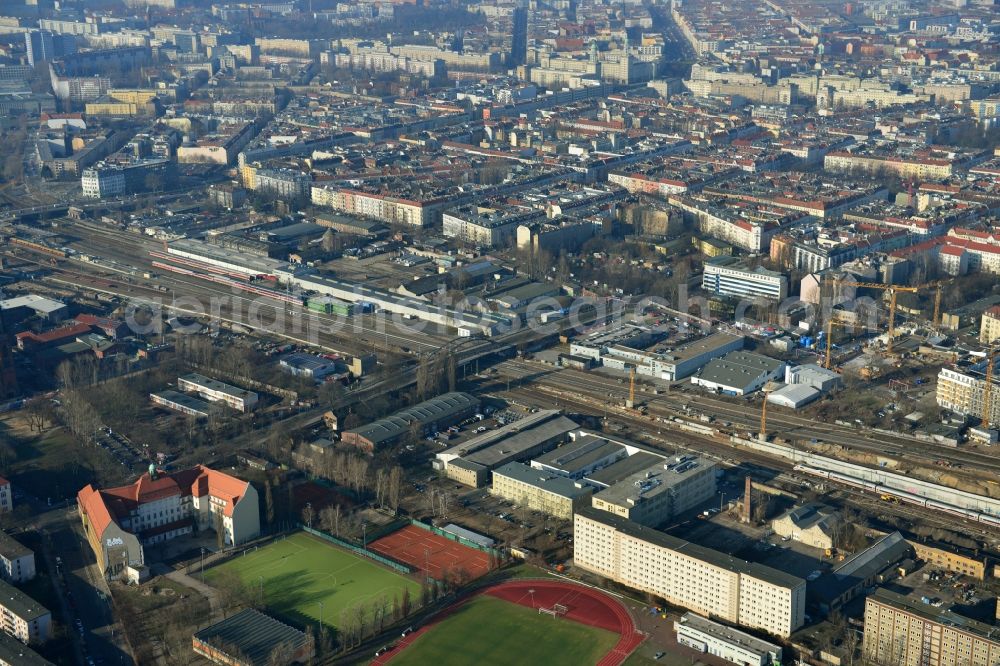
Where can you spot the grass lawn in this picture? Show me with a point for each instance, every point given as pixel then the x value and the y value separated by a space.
pixel 54 464
pixel 489 631
pixel 302 571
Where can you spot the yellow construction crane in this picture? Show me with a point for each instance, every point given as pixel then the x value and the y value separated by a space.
pixel 763 419
pixel 937 307
pixel 830 323
pixel 893 290
pixel 991 358
pixel 631 388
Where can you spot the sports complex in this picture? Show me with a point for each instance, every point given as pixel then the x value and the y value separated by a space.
pixel 310 577
pixel 563 622
pixel 432 554
pixel 307 579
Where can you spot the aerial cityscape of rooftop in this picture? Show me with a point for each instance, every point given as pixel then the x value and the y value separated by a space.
pixel 500 332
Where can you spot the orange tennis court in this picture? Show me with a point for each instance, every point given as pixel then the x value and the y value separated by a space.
pixel 435 555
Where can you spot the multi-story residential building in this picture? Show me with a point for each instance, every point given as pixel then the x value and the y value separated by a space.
pixel 22 617
pixel 922 168
pixel 962 391
pixel 105 180
pixel 158 507
pixel 383 61
pixel 304 48
pixel 15 653
pixel 228 195
pixel 704 580
pixel 6 496
pixel 216 391
pixel 77 88
pixel 983 248
pixel 745 228
pixel 221 148
pixel 540 491
pixel 17 562
pixel 281 183
pixel 452 59
pixel 659 492
pixel 61 27
pixel 483 226
pixel 102 181
pixel 42 45
pixel 989 325
pixel 728 276
pixel 568 233
pixel 904 632
pixel 383 207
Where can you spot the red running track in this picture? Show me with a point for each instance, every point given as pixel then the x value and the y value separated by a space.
pixel 586 605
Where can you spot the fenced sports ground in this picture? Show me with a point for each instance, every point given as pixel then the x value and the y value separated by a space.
pixel 431 553
pixel 555 622
pixel 293 576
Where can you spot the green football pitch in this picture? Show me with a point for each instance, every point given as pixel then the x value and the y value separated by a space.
pixel 488 631
pixel 297 574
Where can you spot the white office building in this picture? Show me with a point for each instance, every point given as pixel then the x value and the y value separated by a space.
pixel 100 182
pixel 729 276
pixel 704 635
pixel 216 391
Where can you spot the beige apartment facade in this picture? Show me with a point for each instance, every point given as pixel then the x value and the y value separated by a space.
pixel 963 393
pixel 540 491
pixel 660 492
pixel 949 561
pixel 703 580
pixel 903 632
pixel 989 326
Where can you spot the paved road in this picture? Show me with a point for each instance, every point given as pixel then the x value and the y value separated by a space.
pixel 194 583
pixel 84 590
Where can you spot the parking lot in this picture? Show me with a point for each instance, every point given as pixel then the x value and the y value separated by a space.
pixel 125 452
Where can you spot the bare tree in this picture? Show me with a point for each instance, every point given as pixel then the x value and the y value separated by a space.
pixel 307 515
pixel 381 481
pixel 268 502
pixel 220 531
pixel 395 486
pixel 406 603
pixel 39 414
pixel 360 620
pixel 281 655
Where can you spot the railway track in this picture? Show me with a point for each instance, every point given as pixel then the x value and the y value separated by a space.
pixel 668 405
pixel 671 440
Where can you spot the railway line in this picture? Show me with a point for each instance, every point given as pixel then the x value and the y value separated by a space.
pixel 335 334
pixel 669 405
pixel 669 439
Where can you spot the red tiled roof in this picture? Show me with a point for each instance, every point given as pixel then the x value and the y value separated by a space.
pixel 104 506
pixel 54 334
pixel 93 506
pixel 99 322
